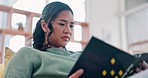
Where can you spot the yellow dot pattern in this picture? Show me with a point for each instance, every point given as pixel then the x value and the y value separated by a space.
pixel 112 72
pixel 104 73
pixel 116 77
pixel 120 72
pixel 113 61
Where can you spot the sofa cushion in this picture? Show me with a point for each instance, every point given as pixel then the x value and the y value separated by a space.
pixel 8 54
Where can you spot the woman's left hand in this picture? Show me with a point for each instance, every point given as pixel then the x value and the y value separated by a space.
pixel 77 74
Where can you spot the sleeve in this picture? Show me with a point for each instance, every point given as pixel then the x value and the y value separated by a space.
pixel 21 65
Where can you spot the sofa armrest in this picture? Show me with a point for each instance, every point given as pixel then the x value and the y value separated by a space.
pixel 2 68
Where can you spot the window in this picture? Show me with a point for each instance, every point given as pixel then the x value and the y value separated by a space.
pixel 35 20
pixel 30 5
pixel 130 4
pixel 16 42
pixel 3 21
pixel 72 46
pixel 136 16
pixel 78 33
pixel 18 20
pixel 1 40
pixel 22 13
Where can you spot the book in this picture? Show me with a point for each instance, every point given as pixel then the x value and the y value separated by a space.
pixel 102 60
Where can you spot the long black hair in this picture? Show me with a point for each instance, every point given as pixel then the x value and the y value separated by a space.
pixel 49 13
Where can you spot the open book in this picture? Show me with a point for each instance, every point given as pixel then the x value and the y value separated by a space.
pixel 101 60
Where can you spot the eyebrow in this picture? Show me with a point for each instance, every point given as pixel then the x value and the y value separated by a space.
pixel 66 21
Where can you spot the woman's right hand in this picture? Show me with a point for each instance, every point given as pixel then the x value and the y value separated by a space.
pixel 143 66
pixel 77 74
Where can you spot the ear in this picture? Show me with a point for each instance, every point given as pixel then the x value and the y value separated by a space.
pixel 44 26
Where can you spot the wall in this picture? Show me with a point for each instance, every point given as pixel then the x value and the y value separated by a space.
pixel 119 22
pixel 104 20
pixel 137 25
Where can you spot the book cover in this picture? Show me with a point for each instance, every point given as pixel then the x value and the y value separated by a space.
pixel 101 60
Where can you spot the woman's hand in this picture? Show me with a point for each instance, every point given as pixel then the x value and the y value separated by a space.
pixel 77 74
pixel 142 66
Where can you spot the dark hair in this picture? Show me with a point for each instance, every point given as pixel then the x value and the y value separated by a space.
pixel 49 13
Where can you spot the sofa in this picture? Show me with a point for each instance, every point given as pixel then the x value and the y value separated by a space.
pixel 2 68
pixel 8 54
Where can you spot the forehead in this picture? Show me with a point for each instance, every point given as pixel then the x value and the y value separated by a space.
pixel 65 15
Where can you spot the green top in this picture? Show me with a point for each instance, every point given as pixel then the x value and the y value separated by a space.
pixel 32 63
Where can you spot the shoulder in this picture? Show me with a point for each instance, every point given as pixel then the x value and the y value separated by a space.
pixel 27 49
pixel 27 52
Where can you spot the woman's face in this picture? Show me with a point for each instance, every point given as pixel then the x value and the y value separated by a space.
pixel 62 29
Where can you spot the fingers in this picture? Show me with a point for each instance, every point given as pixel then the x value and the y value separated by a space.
pixel 144 64
pixel 137 69
pixel 77 74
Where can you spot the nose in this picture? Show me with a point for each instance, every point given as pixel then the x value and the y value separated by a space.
pixel 68 30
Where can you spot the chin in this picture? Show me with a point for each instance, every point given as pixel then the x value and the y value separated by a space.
pixel 64 44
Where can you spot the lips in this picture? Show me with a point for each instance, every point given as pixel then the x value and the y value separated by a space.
pixel 65 38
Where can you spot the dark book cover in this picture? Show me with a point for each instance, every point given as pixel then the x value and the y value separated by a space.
pixel 101 60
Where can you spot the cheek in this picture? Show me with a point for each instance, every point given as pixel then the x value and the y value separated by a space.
pixel 53 39
pixel 72 32
pixel 57 32
pixel 57 29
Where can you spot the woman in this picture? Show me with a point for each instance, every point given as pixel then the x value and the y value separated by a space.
pixel 48 58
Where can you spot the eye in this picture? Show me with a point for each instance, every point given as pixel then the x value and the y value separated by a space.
pixel 62 24
pixel 71 26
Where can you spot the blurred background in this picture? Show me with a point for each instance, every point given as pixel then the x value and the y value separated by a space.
pixel 121 23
